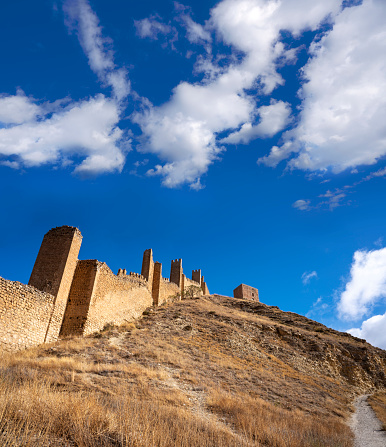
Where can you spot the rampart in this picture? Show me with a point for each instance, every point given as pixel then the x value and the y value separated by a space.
pixel 25 315
pixel 66 296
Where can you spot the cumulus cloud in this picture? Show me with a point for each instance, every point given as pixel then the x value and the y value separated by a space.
pixel 17 109
pixel 367 284
pixel 373 330
pixel 80 17
pixel 33 133
pixel 307 276
pixel 87 129
pixel 183 132
pixel 273 119
pixel 344 96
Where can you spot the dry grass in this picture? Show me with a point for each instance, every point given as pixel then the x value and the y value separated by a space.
pixel 194 373
pixel 378 404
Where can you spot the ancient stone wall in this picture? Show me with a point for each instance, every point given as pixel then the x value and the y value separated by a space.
pixel 25 314
pixel 54 269
pixel 72 297
pixel 246 292
pixel 115 299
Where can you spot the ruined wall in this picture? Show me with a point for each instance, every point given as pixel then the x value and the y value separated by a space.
pixel 25 314
pixel 54 269
pixel 115 299
pixel 246 292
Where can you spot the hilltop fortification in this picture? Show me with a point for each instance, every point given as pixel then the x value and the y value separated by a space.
pixel 67 296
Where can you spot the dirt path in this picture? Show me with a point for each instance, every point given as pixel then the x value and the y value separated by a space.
pixel 366 426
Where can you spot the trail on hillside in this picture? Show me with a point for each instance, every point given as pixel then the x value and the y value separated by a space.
pixel 366 426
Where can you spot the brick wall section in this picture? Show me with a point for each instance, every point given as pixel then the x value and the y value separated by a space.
pixel 54 270
pixel 115 299
pixel 246 292
pixel 25 314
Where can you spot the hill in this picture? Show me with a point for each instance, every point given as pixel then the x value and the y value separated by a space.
pixel 208 371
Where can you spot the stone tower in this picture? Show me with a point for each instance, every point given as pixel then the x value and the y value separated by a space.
pixel 176 273
pixel 54 268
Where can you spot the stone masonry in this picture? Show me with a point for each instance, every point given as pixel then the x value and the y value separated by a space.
pixel 67 296
pixel 246 292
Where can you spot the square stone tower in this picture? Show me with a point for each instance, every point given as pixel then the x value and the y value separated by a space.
pixel 54 269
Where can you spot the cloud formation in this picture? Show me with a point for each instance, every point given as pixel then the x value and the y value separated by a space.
pixel 183 132
pixel 367 284
pixel 373 330
pixel 344 96
pixel 81 18
pixel 87 129
pixel 307 276
pixel 34 133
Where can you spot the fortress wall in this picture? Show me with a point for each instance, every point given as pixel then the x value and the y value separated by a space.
pixel 54 270
pixel 167 290
pixel 25 314
pixel 115 299
pixel 189 282
pixel 79 298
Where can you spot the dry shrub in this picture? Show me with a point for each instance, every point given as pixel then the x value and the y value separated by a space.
pixel 271 425
pixel 378 404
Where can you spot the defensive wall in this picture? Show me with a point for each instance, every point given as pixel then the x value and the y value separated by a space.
pixel 67 296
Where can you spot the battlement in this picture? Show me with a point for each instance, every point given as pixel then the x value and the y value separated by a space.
pixel 67 296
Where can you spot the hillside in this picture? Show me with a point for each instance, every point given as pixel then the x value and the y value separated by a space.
pixel 210 371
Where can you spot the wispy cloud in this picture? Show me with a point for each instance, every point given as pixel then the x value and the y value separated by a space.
pixel 98 48
pixel 307 276
pixel 302 205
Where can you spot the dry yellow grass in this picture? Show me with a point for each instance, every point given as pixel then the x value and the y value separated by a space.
pixel 378 404
pixel 194 373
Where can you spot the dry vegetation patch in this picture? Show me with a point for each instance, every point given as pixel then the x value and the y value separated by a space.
pixel 193 373
pixel 378 404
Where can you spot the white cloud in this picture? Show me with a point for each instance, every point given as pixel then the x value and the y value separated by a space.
pixel 307 276
pixel 273 119
pixel 367 284
pixel 87 129
pixel 344 97
pixel 16 109
pixel 97 47
pixel 151 28
pixel 372 330
pixel 183 132
pixel 303 205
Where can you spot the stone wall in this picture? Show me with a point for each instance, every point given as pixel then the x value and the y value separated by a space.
pixel 66 296
pixel 115 299
pixel 25 315
pixel 54 269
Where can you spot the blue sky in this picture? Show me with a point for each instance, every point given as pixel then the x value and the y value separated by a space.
pixel 247 137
